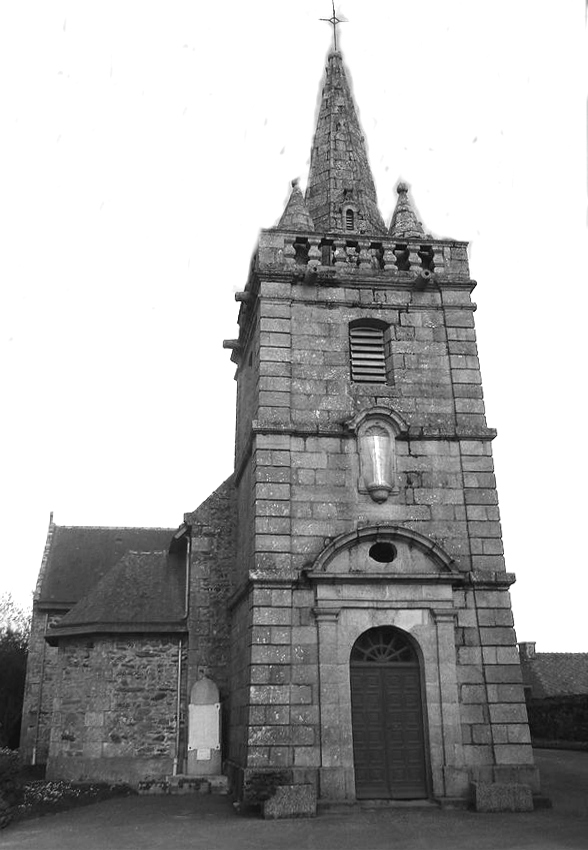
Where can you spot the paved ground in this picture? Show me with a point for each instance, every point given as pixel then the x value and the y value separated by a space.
pixel 210 823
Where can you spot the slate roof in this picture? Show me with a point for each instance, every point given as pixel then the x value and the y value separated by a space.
pixel 78 557
pixel 143 592
pixel 551 674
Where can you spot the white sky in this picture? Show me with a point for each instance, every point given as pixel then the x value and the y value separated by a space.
pixel 143 146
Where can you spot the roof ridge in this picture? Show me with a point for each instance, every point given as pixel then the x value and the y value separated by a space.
pixel 556 652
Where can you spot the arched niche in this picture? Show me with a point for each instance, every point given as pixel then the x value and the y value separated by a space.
pixel 376 430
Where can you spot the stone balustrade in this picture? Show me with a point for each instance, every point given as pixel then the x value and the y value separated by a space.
pixel 346 253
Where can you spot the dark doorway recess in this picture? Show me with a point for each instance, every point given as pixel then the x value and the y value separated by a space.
pixel 387 717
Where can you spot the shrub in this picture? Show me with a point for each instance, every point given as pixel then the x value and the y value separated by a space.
pixel 21 796
pixel 14 638
pixel 9 764
pixel 562 718
pixel 9 770
pixel 9 788
pixel 5 813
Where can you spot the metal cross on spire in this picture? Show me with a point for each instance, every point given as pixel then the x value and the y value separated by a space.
pixel 334 20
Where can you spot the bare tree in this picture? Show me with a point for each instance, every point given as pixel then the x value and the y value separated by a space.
pixel 14 641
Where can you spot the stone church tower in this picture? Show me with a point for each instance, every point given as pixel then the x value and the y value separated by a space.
pixel 337 614
pixel 373 650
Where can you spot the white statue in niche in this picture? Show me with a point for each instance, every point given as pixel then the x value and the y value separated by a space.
pixel 376 458
pixel 376 431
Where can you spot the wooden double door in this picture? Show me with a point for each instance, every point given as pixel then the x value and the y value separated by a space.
pixel 387 717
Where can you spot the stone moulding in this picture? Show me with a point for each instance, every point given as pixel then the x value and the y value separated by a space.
pixel 262 581
pixel 379 578
pixel 401 425
pixel 490 580
pixel 414 432
pixel 295 286
pixel 384 532
pixel 405 432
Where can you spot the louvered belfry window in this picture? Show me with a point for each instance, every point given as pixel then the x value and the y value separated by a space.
pixel 368 361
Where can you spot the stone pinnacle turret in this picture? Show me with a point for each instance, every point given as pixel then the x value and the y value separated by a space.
pixel 405 224
pixel 296 215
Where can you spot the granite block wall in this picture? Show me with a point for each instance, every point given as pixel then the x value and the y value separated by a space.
pixel 114 717
pixel 239 705
pixel 212 580
pixel 40 690
pixel 304 468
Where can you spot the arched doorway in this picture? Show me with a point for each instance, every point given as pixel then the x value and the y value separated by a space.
pixel 387 717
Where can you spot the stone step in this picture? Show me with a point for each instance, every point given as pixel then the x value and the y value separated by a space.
pixel 184 784
pixel 352 807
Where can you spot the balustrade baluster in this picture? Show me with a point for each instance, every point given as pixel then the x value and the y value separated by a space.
pixel 390 263
pixel 365 259
pixel 289 251
pixel 438 259
pixel 340 253
pixel 414 261
pixel 314 252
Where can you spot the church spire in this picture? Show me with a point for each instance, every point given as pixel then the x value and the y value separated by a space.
pixel 340 194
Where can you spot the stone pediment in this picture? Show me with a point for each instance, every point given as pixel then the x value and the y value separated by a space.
pixel 383 551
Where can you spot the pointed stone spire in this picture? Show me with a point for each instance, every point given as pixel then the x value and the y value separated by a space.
pixel 404 224
pixel 341 194
pixel 296 215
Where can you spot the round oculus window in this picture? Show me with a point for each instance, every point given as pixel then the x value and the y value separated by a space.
pixel 383 552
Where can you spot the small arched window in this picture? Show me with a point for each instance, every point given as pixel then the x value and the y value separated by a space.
pixel 349 220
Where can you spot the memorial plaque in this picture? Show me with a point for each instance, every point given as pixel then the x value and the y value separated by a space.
pixel 204 728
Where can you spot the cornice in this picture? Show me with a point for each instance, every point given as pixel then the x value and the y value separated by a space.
pixel 261 581
pixel 385 578
pixel 490 580
pixel 356 279
pixel 100 629
pixel 421 240
pixel 415 433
